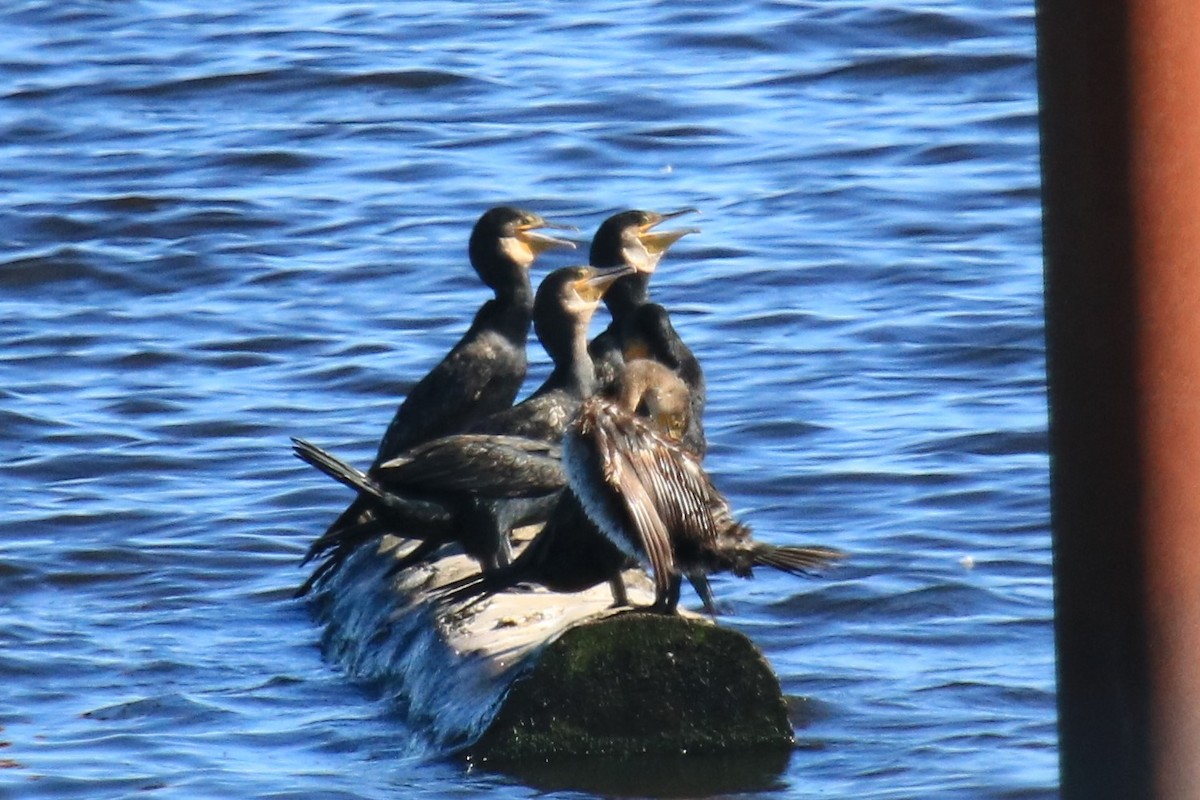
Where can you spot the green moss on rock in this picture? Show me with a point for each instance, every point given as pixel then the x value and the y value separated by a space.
pixel 640 683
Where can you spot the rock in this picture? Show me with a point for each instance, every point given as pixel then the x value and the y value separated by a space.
pixel 536 676
pixel 637 683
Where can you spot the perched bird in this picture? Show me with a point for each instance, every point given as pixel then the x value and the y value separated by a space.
pixel 483 372
pixel 441 489
pixel 653 500
pixel 570 554
pixel 641 329
pixel 566 301
pixel 465 487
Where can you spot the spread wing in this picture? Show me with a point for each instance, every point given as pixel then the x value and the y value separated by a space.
pixel 664 489
pixel 679 488
pixel 621 472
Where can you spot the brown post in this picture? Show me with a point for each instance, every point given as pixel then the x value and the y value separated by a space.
pixel 1120 91
pixel 1165 50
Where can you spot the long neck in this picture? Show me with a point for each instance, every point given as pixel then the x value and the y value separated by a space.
pixel 511 311
pixel 505 319
pixel 573 367
pixel 516 292
pixel 627 294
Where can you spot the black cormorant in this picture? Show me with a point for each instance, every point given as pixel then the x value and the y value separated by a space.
pixel 483 372
pixel 463 487
pixel 448 489
pixel 640 328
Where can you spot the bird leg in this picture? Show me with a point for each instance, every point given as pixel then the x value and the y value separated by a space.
pixel 699 582
pixel 620 598
pixel 666 602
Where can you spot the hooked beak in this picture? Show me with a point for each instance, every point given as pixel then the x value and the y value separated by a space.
pixel 539 242
pixel 655 242
pixel 593 287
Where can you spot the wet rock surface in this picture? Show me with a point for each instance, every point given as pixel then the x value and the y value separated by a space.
pixel 638 683
pixel 537 676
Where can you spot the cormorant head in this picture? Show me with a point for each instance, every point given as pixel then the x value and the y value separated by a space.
pixel 567 298
pixel 630 238
pixel 506 240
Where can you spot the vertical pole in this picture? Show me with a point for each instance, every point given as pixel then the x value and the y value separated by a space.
pixel 1165 82
pixel 1095 475
pixel 1120 105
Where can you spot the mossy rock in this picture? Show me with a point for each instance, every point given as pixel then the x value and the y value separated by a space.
pixel 639 683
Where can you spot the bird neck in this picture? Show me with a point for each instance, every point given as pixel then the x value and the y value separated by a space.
pixel 572 365
pixel 627 294
pixel 653 326
pixel 509 313
pixel 516 292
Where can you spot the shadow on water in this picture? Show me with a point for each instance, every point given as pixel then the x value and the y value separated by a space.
pixel 684 775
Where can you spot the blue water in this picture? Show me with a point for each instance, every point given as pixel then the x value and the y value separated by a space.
pixel 222 227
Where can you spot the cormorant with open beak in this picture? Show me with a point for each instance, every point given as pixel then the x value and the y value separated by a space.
pixel 483 372
pixel 639 327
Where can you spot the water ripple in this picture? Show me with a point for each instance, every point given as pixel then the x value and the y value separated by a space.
pixel 234 224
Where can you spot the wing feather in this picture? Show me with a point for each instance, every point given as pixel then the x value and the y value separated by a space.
pixel 648 524
pixel 679 488
pixel 473 380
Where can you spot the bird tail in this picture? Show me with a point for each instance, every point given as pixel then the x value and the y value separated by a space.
pixel 795 560
pixel 335 546
pixel 356 514
pixel 335 468
pixel 362 519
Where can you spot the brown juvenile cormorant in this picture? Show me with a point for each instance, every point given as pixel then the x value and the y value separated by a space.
pixel 640 328
pixel 570 554
pixel 483 372
pixel 459 488
pixel 652 499
pixel 649 334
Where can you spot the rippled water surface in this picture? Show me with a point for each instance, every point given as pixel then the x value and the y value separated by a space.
pixel 228 223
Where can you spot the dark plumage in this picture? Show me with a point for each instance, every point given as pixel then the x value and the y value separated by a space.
pixel 566 301
pixel 570 553
pixel 482 464
pixel 483 372
pixel 654 501
pixel 475 482
pixel 641 329
pixel 444 489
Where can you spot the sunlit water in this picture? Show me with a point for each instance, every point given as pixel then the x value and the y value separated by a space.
pixel 222 227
